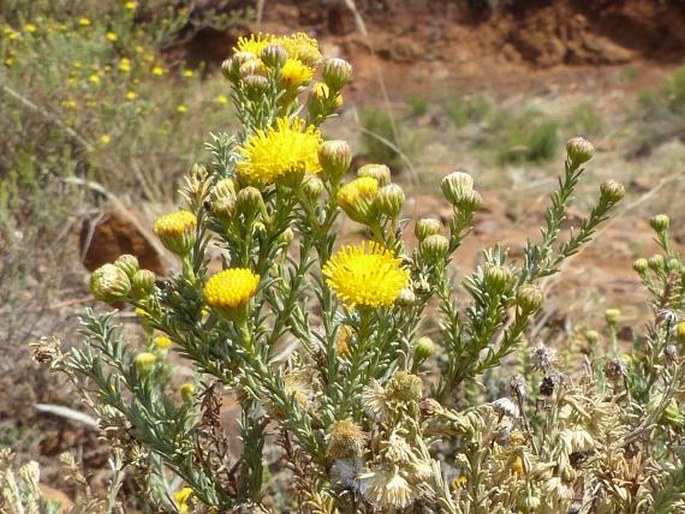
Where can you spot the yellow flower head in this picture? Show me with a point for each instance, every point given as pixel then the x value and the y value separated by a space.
pixel 105 139
pixel 358 198
pixel 130 6
pixel 221 99
pixel 182 497
pixel 231 289
pixel 158 71
pixel 131 95
pixel 301 47
pixel 125 65
pixel 111 36
pixel 321 92
pixel 182 109
pixel 253 44
pixel 30 27
pixel 366 274
pixel 84 22
pixel 176 230
pixel 269 155
pixel 295 73
pixel 188 73
pixel 162 342
pixel 95 79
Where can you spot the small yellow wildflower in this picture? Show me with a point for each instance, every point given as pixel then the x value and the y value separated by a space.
pixel 231 289
pixel 162 342
pixel 188 73
pixel 295 73
pixel 182 109
pixel 460 482
pixel 130 6
pixel 111 36
pixel 253 44
pixel 300 46
pixel 321 92
pixel 367 275
pixel 9 61
pixel 105 139
pixel 221 99
pixel 69 104
pixel 131 95
pixel 176 230
pixel 187 392
pixel 139 49
pixel 268 155
pixel 11 34
pixel 30 27
pixel 144 361
pixel 158 71
pixel 358 198
pixel 125 65
pixel 84 22
pixel 182 496
pixel 94 78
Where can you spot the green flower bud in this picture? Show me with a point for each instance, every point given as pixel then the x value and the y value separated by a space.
pixel 335 158
pixel 592 336
pixel 673 264
pixel 656 262
pixel 378 171
pixel 274 56
pixel 434 248
pixel 455 185
pixel 612 316
pixel 358 199
pixel 611 191
pixel 128 264
pixel 223 208
pixel 231 67
pixel 249 201
pixel 660 223
pixel 336 73
pixel 469 202
pixel 424 348
pixel 390 200
pixel 641 265
pixel 255 85
pixel 187 392
pixel 529 298
pixel 497 278
pixel 427 227
pixel 579 150
pixel 224 188
pixel 312 187
pixel 252 68
pixel 110 284
pixel 143 283
pixel 144 361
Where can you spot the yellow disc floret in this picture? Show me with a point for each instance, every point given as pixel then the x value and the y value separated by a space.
pixel 300 46
pixel 231 289
pixel 366 275
pixel 176 230
pixel 268 155
pixel 295 73
pixel 253 44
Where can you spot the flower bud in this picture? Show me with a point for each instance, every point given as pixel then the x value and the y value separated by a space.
pixel 255 85
pixel 673 264
pixel 335 158
pixel 641 265
pixel 660 223
pixel 336 73
pixel 424 348
pixel 223 208
pixel 187 392
pixel 497 278
pixel 611 191
pixel 249 201
pixel 579 150
pixel 128 264
pixel 287 237
pixel 312 187
pixel 378 171
pixel 251 68
pixel 406 298
pixel 434 248
pixel 347 440
pixel 671 353
pixel 176 230
pixel 274 56
pixel 529 298
pixel 143 283
pixel 224 188
pixel 427 227
pixel 144 361
pixel 322 93
pixel 358 199
pixel 469 202
pixel 592 336
pixel 390 200
pixel 110 284
pixel 612 316
pixel 656 262
pixel 455 185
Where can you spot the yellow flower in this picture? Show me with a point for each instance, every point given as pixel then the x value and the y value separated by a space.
pixel 162 342
pixel 69 104
pixel 145 361
pixel 295 73
pixel 460 482
pixel 9 61
pixel 321 91
pixel 366 274
pixel 84 22
pixel 300 46
pixel 130 6
pixel 358 198
pixel 182 109
pixel 221 99
pixel 125 65
pixel 30 27
pixel 158 71
pixel 105 139
pixel 188 73
pixel 111 36
pixel 176 230
pixel 231 289
pixel 94 79
pixel 139 49
pixel 11 34
pixel 131 95
pixel 269 155
pixel 254 44
pixel 182 496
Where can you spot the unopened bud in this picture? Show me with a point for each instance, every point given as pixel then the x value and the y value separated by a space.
pixel 455 185
pixel 128 264
pixel 358 199
pixel 390 200
pixel 223 208
pixel 187 392
pixel 579 151
pixel 378 171
pixel 252 68
pixel 434 248
pixel 176 230
pixel 110 284
pixel 274 56
pixel 529 298
pixel 673 264
pixel 641 265
pixel 612 316
pixel 249 201
pixel 656 262
pixel 424 348
pixel 255 84
pixel 143 283
pixel 427 227
pixel 312 187
pixel 660 223
pixel 337 73
pixel 611 191
pixel 335 158
pixel 406 298
pixel 144 361
pixel 592 336
pixel 231 67
pixel 497 278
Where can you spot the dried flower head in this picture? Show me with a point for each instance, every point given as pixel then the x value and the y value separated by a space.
pixel 506 407
pixel 365 275
pixel 269 155
pixel 543 357
pixel 231 289
pixel 614 370
pixel 375 402
pixel 387 488
pixel 346 439
pixel 176 230
pixel 405 387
